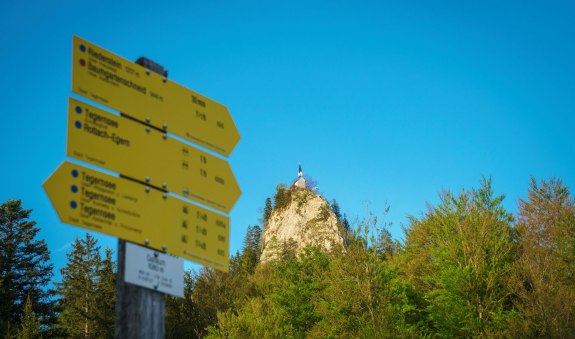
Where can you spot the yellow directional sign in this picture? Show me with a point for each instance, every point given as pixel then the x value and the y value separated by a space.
pixel 131 211
pixel 111 80
pixel 145 154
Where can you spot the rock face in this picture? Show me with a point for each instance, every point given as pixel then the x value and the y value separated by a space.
pixel 300 218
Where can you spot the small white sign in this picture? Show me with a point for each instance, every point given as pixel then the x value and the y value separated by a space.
pixel 154 270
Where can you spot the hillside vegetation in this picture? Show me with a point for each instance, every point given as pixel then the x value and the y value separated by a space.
pixel 466 268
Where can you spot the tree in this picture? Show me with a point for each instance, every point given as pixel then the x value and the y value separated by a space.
pixel 182 313
pixel 459 257
pixel 545 270
pixel 285 304
pixel 311 183
pixel 25 269
pixel 267 211
pixel 215 291
pixel 251 252
pixel 365 297
pixel 336 210
pixel 282 198
pixel 87 292
pixel 345 223
pixel 105 311
pixel 29 326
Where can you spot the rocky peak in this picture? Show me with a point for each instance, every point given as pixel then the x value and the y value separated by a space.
pixel 300 218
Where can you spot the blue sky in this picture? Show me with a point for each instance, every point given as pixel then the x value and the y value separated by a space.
pixel 378 102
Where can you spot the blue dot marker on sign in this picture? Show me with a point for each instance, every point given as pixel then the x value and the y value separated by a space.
pixel 75 173
pixel 83 48
pixel 78 124
pixel 73 204
pixel 78 109
pixel 74 189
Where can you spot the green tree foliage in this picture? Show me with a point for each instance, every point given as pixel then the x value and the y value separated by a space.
pixel 87 292
pixel 283 249
pixel 267 212
pixel 105 311
pixel 459 257
pixel 299 281
pixel 25 270
pixel 356 293
pixel 365 297
pixel 215 292
pixel 463 270
pixel 30 325
pixel 282 198
pixel 284 303
pixel 182 313
pixel 545 271
pixel 251 252
pixel 336 210
pixel 345 223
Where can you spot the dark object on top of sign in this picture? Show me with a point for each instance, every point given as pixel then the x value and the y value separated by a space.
pixel 152 66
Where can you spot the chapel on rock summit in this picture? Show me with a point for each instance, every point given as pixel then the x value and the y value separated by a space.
pixel 300 182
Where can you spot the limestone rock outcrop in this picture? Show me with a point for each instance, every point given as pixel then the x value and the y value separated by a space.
pixel 300 218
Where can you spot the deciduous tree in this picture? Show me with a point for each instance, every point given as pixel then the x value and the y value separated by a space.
pixel 459 256
pixel 545 271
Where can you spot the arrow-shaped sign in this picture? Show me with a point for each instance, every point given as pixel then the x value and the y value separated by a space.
pixel 125 86
pixel 145 154
pixel 131 211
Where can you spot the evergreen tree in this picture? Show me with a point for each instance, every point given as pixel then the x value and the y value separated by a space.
pixel 30 325
pixel 87 292
pixel 105 311
pixel 336 210
pixel 345 223
pixel 251 252
pixel 24 269
pixel 267 211
pixel 182 313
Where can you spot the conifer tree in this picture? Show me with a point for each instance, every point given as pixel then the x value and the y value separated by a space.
pixel 29 326
pixel 87 292
pixel 336 210
pixel 346 231
pixel 250 256
pixel 182 313
pixel 24 268
pixel 267 211
pixel 106 296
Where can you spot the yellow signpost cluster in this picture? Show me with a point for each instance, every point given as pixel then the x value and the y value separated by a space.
pixel 131 89
pixel 147 155
pixel 139 206
pixel 126 209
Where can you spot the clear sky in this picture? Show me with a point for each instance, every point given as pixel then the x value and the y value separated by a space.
pixel 378 102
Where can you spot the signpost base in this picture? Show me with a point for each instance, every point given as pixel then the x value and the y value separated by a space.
pixel 140 312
